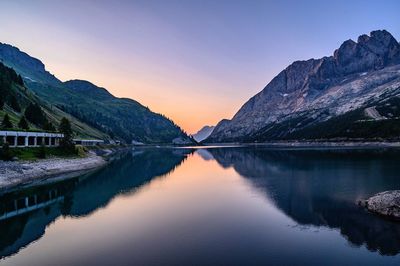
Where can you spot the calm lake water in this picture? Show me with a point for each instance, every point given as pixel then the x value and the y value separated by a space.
pixel 215 206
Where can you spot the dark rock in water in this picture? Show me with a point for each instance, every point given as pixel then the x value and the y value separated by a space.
pixel 386 204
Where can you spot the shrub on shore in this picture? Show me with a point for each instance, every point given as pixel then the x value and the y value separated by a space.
pixel 41 154
pixel 33 153
pixel 23 124
pixel 66 142
pixel 80 151
pixel 6 122
pixel 6 153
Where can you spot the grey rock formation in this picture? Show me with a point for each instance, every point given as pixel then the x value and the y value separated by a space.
pixel 203 133
pixel 385 203
pixel 319 86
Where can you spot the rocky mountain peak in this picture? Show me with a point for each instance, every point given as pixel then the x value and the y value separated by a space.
pixel 370 52
pixel 383 44
pixel 9 51
pixel 383 36
pixel 30 68
pixel 302 83
pixel 362 39
pixel 346 52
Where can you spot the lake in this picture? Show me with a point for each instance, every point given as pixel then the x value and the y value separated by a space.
pixel 208 206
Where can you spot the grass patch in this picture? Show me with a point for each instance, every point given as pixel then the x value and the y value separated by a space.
pixel 37 153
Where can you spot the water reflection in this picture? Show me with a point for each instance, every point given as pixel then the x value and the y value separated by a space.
pixel 24 214
pixel 321 188
pixel 212 206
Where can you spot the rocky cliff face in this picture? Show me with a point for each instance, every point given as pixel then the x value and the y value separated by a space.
pixel 320 88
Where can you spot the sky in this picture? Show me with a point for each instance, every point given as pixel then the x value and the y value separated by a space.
pixel 195 61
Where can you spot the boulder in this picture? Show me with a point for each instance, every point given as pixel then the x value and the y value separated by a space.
pixel 385 203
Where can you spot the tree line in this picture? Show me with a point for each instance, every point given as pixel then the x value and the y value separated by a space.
pixel 67 145
pixel 33 114
pixel 7 77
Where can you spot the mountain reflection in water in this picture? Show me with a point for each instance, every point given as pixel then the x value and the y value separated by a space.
pixel 83 195
pixel 314 188
pixel 321 188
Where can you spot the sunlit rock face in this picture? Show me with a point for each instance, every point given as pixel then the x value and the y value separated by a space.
pixel 320 88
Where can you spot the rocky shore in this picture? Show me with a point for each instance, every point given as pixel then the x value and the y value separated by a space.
pixel 331 144
pixel 386 204
pixel 313 144
pixel 16 173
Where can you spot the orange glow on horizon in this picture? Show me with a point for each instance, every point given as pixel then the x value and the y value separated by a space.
pixel 189 109
pixel 194 63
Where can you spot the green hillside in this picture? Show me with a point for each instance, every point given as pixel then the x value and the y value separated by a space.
pixel 120 118
pixel 15 98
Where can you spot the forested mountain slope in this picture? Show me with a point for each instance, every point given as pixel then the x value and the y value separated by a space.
pixel 121 118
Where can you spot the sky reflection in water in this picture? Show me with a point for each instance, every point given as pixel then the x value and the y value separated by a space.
pixel 212 206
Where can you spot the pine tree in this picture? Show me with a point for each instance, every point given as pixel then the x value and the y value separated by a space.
pixel 35 115
pixel 23 123
pixel 48 126
pixel 41 153
pixel 6 122
pixel 5 152
pixel 65 128
pixel 14 103
pixel 20 81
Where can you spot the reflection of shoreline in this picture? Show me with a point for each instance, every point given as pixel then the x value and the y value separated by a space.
pixel 308 144
pixel 28 207
pixel 78 197
pixel 320 188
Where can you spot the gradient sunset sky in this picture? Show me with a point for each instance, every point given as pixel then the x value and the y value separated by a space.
pixel 196 62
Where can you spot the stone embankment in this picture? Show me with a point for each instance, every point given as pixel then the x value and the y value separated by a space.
pixel 16 173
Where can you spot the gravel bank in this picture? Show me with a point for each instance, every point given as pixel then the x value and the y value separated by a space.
pixel 15 173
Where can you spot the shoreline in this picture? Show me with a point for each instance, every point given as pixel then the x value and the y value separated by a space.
pixel 313 144
pixel 13 174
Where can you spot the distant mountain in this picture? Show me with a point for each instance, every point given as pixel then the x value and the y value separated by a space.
pixel 28 67
pixel 353 94
pixel 120 118
pixel 203 133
